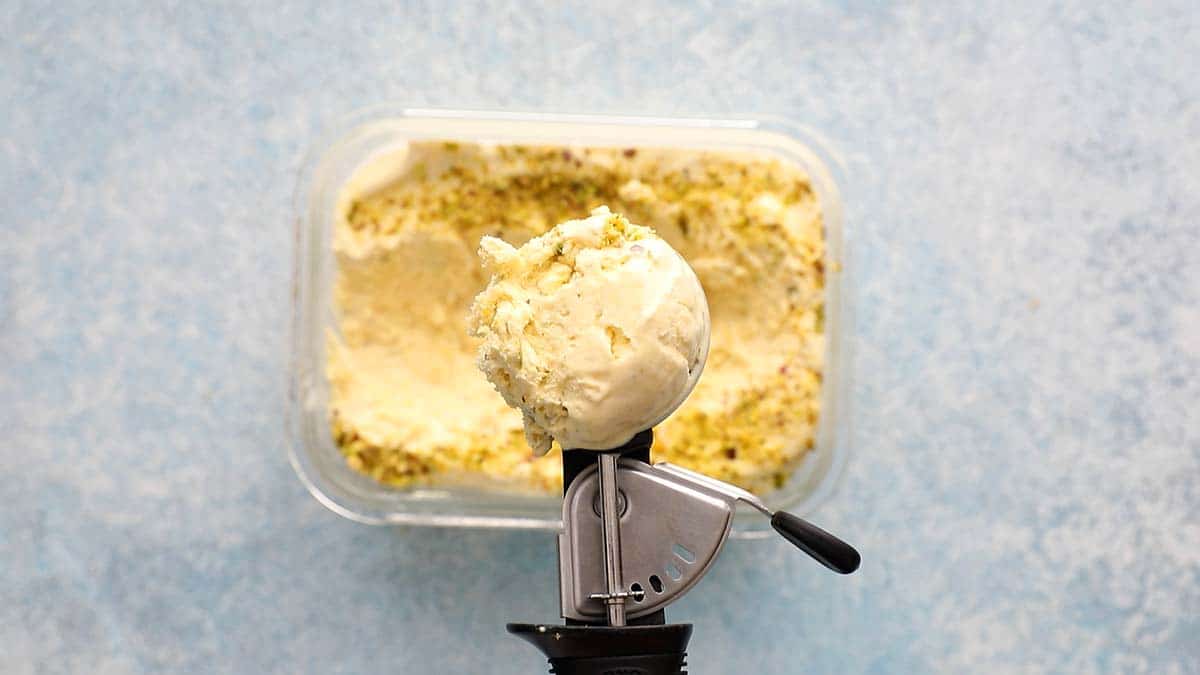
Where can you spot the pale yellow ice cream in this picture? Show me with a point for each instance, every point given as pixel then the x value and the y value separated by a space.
pixel 595 330
pixel 407 404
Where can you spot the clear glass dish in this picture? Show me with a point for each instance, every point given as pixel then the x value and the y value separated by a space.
pixel 332 161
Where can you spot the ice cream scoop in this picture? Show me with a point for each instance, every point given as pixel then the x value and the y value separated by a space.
pixel 595 330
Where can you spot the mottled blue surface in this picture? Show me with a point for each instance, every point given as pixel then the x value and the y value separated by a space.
pixel 1024 189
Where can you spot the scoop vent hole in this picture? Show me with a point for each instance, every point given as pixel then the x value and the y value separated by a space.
pixel 683 553
pixel 673 571
pixel 656 583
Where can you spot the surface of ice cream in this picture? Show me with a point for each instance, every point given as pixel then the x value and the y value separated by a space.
pixel 407 404
pixel 595 330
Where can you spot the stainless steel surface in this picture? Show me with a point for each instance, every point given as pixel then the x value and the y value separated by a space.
pixel 731 491
pixel 610 525
pixel 671 531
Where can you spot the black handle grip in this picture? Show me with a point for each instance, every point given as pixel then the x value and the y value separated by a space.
pixel 607 650
pixel 641 664
pixel 825 548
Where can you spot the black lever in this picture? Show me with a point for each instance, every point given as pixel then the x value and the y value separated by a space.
pixel 825 548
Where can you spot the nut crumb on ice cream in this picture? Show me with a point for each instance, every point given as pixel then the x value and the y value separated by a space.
pixel 595 330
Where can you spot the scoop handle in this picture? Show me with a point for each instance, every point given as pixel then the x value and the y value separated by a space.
pixel 825 548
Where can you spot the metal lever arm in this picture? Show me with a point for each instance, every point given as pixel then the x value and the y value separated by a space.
pixel 822 546
pixel 610 521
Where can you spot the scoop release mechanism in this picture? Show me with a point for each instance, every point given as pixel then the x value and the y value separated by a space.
pixel 635 538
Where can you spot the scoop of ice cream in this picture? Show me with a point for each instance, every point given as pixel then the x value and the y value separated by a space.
pixel 595 330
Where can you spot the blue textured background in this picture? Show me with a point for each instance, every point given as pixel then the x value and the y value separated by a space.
pixel 1025 226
